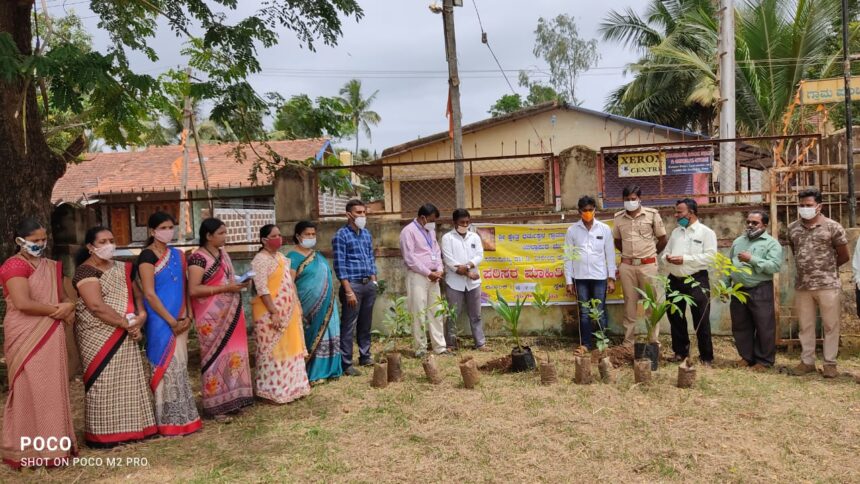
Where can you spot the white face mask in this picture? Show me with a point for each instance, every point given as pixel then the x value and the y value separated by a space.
pixel 360 222
pixel 631 205
pixel 35 250
pixel 462 230
pixel 430 226
pixel 105 252
pixel 807 213
pixel 309 243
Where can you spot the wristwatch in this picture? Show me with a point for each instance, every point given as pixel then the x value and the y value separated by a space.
pixel 375 283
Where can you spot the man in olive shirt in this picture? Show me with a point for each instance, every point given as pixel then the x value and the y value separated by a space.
pixel 754 322
pixel 820 246
pixel 640 235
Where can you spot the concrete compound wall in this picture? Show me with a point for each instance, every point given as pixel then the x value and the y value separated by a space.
pixel 727 222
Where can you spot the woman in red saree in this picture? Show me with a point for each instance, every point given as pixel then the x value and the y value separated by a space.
pixel 110 315
pixel 220 321
pixel 35 349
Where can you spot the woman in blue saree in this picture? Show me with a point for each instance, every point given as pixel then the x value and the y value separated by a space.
pixel 314 283
pixel 162 276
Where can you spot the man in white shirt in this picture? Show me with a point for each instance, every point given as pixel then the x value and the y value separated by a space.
pixel 688 255
pixel 589 266
pixel 462 251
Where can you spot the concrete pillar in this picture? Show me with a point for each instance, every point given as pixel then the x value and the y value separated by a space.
pixel 296 196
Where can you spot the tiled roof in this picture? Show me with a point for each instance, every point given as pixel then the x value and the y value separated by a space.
pixel 157 169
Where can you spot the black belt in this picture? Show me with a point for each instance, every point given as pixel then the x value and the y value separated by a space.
pixel 363 280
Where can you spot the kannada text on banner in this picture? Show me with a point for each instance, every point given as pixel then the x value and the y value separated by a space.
pixel 518 258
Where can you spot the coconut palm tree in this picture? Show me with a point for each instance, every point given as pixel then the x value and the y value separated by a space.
pixel 660 93
pixel 357 108
pixel 778 43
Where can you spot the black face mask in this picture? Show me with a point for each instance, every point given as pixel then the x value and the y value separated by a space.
pixel 754 233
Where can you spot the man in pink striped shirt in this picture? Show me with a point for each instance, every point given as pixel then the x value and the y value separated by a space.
pixel 423 259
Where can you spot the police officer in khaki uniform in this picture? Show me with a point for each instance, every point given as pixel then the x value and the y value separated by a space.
pixel 639 235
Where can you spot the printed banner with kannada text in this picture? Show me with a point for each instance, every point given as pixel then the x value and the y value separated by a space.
pixel 518 258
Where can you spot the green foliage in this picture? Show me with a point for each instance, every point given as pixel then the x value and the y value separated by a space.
pixel 448 312
pixel 510 315
pixel 658 92
pixel 357 109
pixel 601 339
pixel 300 117
pixel 722 267
pixel 334 181
pixel 538 94
pixel 557 42
pixel 675 82
pixel 397 323
pixel 506 104
pixel 658 303
pixel 98 92
pixel 444 310
pixel 571 253
pixel 540 301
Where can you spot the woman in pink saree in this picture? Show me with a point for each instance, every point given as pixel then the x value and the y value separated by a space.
pixel 35 349
pixel 220 322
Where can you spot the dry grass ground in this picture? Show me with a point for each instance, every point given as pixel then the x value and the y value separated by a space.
pixel 733 426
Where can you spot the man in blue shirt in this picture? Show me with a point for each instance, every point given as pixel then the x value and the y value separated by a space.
pixel 355 267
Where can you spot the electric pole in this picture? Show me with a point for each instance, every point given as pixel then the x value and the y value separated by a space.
pixel 454 93
pixel 727 98
pixel 849 136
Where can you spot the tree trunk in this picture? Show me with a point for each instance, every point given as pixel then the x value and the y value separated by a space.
pixel 28 166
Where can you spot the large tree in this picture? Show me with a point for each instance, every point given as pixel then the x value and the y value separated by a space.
pixel 357 108
pixel 302 117
pixel 101 89
pixel 558 43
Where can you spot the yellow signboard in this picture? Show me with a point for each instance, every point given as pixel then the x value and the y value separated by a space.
pixel 650 163
pixel 518 258
pixel 824 91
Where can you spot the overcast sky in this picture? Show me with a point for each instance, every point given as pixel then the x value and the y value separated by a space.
pixel 398 38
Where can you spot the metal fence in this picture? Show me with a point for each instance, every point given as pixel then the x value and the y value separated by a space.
pixel 492 184
pixel 668 171
pixel 785 182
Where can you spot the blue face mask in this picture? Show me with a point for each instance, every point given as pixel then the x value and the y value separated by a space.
pixel 684 222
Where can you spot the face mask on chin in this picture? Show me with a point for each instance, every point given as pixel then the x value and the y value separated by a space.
pixel 754 232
